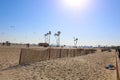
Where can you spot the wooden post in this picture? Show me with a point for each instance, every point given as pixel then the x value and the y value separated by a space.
pixel 20 56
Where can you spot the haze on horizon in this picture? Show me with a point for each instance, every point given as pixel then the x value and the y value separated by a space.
pixel 93 22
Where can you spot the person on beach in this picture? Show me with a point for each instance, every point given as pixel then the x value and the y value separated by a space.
pixel 28 45
pixel 118 52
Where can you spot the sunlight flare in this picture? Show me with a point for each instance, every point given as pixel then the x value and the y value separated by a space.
pixel 75 4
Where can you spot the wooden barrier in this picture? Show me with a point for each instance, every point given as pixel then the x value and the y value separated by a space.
pixel 105 49
pixel 55 53
pixel 29 55
pixel 117 66
pixel 64 53
pixel 75 52
pixel 87 51
pixel 80 52
pixel 71 53
pixel 93 50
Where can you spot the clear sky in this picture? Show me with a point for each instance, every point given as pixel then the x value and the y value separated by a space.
pixel 93 22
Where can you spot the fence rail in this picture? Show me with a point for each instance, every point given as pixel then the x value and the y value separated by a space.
pixel 33 55
pixel 117 66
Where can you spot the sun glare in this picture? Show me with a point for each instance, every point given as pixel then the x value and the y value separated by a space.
pixel 75 4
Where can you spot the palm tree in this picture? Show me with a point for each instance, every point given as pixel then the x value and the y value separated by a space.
pixel 45 38
pixel 75 41
pixel 57 36
pixel 49 36
pixel 59 32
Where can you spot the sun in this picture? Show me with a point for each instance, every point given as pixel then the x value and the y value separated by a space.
pixel 75 4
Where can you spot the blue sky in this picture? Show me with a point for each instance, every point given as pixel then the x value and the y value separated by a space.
pixel 26 21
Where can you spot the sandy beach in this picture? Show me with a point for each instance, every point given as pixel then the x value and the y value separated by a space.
pixel 87 67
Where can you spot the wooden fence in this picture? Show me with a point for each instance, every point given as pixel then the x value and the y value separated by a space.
pixel 117 65
pixel 28 55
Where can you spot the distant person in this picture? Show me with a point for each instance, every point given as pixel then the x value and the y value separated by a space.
pixel 28 45
pixel 119 52
pixel 116 49
pixel 3 44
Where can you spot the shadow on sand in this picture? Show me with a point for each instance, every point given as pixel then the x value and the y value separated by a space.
pixel 15 66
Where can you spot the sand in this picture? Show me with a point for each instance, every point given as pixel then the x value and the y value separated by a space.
pixel 87 67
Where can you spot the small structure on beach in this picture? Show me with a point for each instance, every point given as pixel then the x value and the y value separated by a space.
pixel 7 43
pixel 43 44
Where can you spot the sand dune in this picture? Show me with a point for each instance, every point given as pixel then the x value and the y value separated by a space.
pixel 88 67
